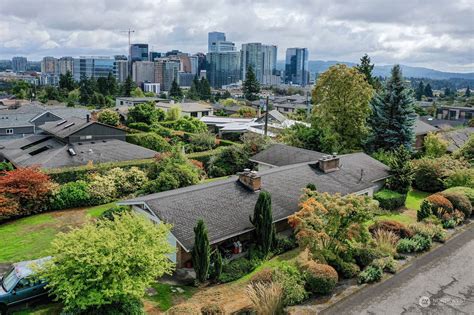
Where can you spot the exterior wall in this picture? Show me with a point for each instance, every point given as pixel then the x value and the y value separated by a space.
pixel 263 167
pixel 17 130
pixel 45 117
pixel 97 132
pixel 419 141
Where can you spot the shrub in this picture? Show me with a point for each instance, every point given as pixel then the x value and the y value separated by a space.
pixel 293 283
pixel 364 255
pixel 109 117
pixel 387 264
pixel 284 244
pixel 237 269
pixel 132 306
pixel 320 278
pixel 6 166
pixel 264 276
pixel 406 245
pixel 466 151
pixel 71 195
pixel 390 200
pixel 386 242
pixel 434 145
pixel 429 174
pixel 139 126
pixel 102 189
pixel 424 211
pixel 266 298
pixel 127 181
pixel 460 202
pixel 422 242
pixel 432 231
pixel 228 161
pixel 466 191
pixel 462 177
pixel 370 274
pixel 150 141
pixel 439 204
pixel 201 142
pixel 187 124
pixel 111 213
pixel 146 113
pixel 449 224
pixel 346 269
pixel 396 227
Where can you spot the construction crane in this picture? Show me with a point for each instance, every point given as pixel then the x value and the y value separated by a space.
pixel 129 31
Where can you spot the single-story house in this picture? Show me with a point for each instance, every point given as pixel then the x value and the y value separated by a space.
pixel 194 109
pixel 132 101
pixel 72 142
pixel 456 138
pixel 442 124
pixel 225 205
pixel 455 113
pixel 422 129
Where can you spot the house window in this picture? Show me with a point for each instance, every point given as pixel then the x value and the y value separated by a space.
pixel 9 131
pixel 85 137
pixel 194 114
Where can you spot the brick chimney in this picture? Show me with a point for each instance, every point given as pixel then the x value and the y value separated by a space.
pixel 250 179
pixel 329 163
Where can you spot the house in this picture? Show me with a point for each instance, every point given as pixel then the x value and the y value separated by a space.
pixel 457 138
pixel 72 142
pixel 421 130
pixel 132 101
pixel 442 124
pixel 16 122
pixel 194 109
pixel 225 205
pixel 285 104
pixel 455 113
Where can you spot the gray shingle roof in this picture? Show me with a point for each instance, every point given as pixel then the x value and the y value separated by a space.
pixel 225 205
pixel 57 155
pixel 281 154
pixel 65 129
pixel 422 128
pixel 457 138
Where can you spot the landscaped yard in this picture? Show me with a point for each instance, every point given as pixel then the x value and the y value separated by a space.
pixel 30 237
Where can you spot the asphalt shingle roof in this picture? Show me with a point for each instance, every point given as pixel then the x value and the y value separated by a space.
pixel 457 138
pixel 225 205
pixel 281 154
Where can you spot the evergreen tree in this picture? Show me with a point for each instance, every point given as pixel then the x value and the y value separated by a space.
pixel 87 88
pixel 175 90
pixel 401 170
pixel 468 92
pixel 218 96
pixel 420 91
pixel 366 68
pixel 393 115
pixel 201 252
pixel 111 84
pixel 102 86
pixel 251 86
pixel 127 87
pixel 428 91
pixel 193 93
pixel 226 95
pixel 447 92
pixel 66 82
pixel 205 89
pixel 263 222
pixel 217 261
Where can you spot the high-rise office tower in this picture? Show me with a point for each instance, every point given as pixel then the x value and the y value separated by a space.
pixel 139 52
pixel 143 71
pixel 296 66
pixel 121 69
pixel 166 70
pixel 49 65
pixel 217 43
pixel 65 64
pixel 93 66
pixel 262 58
pixel 19 64
pixel 213 37
pixel 223 68
pixel 153 55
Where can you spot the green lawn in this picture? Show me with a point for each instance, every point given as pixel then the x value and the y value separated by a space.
pixel 415 198
pixel 30 237
pixel 166 298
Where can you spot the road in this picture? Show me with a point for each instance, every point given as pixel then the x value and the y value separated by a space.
pixel 440 282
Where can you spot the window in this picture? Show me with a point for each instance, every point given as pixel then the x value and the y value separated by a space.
pixel 194 114
pixel 9 131
pixel 85 137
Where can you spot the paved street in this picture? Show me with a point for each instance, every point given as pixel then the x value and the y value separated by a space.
pixel 441 282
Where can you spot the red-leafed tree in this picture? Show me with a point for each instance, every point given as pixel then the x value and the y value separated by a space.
pixel 26 189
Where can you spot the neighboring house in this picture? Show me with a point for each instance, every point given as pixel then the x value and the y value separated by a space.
pixel 421 129
pixel 29 118
pixel 455 113
pixel 72 142
pixel 457 138
pixel 132 101
pixel 285 104
pixel 225 205
pixel 196 110
pixel 442 124
pixel 228 110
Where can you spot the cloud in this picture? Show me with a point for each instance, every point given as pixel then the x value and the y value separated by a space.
pixel 435 33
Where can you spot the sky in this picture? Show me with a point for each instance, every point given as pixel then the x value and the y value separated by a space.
pixel 437 34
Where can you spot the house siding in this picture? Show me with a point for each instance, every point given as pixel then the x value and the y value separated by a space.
pixel 97 132
pixel 18 130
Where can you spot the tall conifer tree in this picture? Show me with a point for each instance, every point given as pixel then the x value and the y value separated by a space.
pixel 251 85
pixel 263 222
pixel 201 254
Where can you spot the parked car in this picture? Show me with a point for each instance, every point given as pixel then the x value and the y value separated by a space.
pixel 18 285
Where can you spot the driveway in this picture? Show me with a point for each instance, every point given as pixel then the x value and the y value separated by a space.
pixel 440 282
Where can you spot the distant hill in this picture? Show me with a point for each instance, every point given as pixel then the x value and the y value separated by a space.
pixel 318 66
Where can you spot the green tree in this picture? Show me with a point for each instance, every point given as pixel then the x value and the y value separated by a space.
pixel 87 88
pixel 193 93
pixel 434 145
pixel 146 113
pixel 251 86
pixel 447 92
pixel 112 86
pixel 66 82
pixel 428 90
pixel 128 86
pixel 137 92
pixel 217 262
pixel 263 222
pixel 205 89
pixel 174 113
pixel 175 91
pixel 107 262
pixel 341 98
pixel 468 92
pixel 201 252
pixel 21 89
pixel 109 117
pixel 401 170
pixel 393 115
pixel 366 68
pixel 226 95
pixel 73 97
pixel 420 91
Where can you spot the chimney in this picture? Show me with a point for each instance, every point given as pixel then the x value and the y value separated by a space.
pixel 329 163
pixel 88 117
pixel 250 179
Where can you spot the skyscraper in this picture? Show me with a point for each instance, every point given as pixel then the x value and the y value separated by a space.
pixel 296 66
pixel 19 64
pixel 65 64
pixel 139 52
pixel 262 58
pixel 98 66
pixel 121 70
pixel 166 70
pixel 213 37
pixel 223 68
pixel 143 71
pixel 49 65
pixel 217 43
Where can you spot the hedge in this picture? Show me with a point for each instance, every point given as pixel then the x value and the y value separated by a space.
pixel 389 199
pixel 149 140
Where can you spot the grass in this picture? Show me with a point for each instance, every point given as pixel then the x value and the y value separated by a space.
pixel 165 298
pixel 415 198
pixel 210 180
pixel 30 238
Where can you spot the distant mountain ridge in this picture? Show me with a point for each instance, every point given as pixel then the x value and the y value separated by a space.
pixel 318 66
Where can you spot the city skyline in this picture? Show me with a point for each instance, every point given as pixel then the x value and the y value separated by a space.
pixel 399 32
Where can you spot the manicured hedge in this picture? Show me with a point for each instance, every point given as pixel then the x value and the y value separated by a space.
pixel 149 140
pixel 389 199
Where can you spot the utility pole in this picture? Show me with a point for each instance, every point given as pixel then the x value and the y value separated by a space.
pixel 129 31
pixel 266 117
